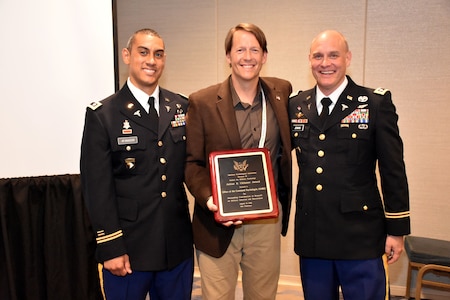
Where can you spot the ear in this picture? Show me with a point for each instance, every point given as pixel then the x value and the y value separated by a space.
pixel 264 57
pixel 126 56
pixel 348 57
pixel 228 59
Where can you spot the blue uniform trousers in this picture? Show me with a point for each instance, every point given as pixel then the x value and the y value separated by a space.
pixel 358 279
pixel 175 284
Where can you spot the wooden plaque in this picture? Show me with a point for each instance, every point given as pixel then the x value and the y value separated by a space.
pixel 243 186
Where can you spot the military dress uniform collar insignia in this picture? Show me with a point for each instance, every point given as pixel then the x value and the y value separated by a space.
pixel 308 100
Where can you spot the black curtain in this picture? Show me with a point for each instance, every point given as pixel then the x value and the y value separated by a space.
pixel 46 241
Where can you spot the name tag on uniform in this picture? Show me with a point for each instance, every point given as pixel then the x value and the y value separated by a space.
pixel 128 140
pixel 298 127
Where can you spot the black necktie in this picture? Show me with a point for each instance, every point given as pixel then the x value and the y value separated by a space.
pixel 325 109
pixel 152 112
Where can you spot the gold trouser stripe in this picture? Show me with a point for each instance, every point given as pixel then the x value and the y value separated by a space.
pixel 100 275
pixel 386 271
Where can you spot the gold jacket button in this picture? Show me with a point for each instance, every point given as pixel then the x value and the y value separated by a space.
pixel 319 187
pixel 322 136
pixel 354 135
pixel 128 148
pixel 184 137
pixel 320 153
pixel 296 134
pixel 319 170
pixel 160 143
pixel 162 160
pixel 163 194
pixel 365 207
pixel 163 177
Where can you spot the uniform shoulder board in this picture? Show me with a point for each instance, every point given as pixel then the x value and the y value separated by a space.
pixel 293 94
pixel 380 91
pixel 183 96
pixel 94 105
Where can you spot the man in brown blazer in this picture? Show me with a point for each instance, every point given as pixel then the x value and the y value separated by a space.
pixel 245 111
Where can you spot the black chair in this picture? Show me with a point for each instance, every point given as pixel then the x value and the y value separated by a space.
pixel 427 255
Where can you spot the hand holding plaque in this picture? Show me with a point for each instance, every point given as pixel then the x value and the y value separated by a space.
pixel 242 184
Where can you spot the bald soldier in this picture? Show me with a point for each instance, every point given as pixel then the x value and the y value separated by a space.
pixel 344 235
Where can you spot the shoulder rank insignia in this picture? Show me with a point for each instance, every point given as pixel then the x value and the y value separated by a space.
pixel 380 91
pixel 293 94
pixel 94 105
pixel 183 96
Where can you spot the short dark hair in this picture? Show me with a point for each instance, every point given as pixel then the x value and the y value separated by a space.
pixel 147 31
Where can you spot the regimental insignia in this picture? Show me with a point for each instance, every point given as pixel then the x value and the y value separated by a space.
pixel 137 113
pixel 179 120
pixel 240 166
pixel 344 107
pixel 126 129
pixel 130 163
pixel 380 91
pixel 94 105
pixel 167 108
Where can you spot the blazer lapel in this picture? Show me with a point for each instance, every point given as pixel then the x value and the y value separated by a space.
pixel 227 114
pixel 273 96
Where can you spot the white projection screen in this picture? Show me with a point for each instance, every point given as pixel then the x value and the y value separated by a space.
pixel 55 58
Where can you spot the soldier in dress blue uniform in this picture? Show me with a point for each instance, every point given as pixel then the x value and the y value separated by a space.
pixel 345 232
pixel 132 171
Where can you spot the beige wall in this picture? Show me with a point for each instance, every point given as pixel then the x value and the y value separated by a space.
pixel 398 44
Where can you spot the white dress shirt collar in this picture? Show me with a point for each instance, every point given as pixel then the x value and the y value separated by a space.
pixel 334 96
pixel 142 97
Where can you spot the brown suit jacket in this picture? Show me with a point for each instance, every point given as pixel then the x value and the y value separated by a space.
pixel 212 126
